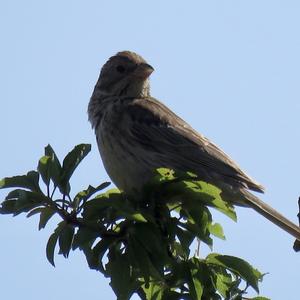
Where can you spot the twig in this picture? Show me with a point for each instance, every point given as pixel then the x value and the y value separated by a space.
pixel 198 248
pixel 297 242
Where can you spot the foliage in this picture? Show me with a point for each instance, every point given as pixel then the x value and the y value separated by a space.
pixel 142 243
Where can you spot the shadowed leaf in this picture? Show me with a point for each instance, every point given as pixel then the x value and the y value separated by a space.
pixel 71 162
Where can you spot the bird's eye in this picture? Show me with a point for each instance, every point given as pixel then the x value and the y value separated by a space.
pixel 120 69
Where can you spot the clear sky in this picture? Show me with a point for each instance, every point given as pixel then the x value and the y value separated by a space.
pixel 230 68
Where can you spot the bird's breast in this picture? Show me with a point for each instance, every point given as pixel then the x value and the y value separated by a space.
pixel 120 154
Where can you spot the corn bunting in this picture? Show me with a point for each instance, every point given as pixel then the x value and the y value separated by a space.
pixel 137 134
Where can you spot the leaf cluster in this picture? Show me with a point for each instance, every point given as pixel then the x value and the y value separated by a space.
pixel 141 242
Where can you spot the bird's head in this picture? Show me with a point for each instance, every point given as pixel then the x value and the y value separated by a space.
pixel 125 74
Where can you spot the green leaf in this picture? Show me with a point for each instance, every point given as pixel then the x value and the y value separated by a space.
pixel 8 207
pixel 70 163
pixel 237 266
pixel 210 195
pixel 154 291
pixel 165 174
pixel 44 168
pixel 83 237
pixel 51 247
pixel 139 258
pixel 116 203
pixel 195 284
pixel 199 220
pixel 53 241
pixel 178 250
pixel 65 239
pixel 217 230
pixel 129 214
pixel 172 295
pixel 22 201
pixel 34 211
pixel 86 194
pixel 29 181
pixel 260 298
pixel 53 166
pixel 103 203
pixel 222 281
pixel 183 185
pixel 155 255
pixel 149 236
pixel 45 216
pixel 120 273
pixel 186 238
pixel 138 217
pixel 200 232
pixel 94 258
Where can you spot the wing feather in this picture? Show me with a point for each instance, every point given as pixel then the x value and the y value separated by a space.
pixel 180 146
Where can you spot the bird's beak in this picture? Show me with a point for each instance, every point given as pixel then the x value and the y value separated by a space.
pixel 143 71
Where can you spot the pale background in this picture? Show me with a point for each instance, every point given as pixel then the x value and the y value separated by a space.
pixel 230 68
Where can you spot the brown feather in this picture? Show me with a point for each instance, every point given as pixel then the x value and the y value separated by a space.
pixel 137 134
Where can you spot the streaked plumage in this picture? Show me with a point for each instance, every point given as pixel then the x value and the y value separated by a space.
pixel 137 134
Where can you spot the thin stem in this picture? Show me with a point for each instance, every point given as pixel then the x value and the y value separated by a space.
pixel 54 189
pixel 198 248
pixel 297 242
pixel 298 215
pixel 48 190
pixel 64 201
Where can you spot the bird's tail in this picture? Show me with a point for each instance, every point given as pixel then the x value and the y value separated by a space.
pixel 271 214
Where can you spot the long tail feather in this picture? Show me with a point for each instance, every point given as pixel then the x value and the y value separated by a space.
pixel 271 214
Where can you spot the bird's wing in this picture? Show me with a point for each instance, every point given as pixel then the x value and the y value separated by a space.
pixel 159 129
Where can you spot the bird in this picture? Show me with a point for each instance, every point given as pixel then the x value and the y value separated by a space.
pixel 137 134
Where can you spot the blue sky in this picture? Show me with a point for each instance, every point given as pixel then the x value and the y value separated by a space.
pixel 229 68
